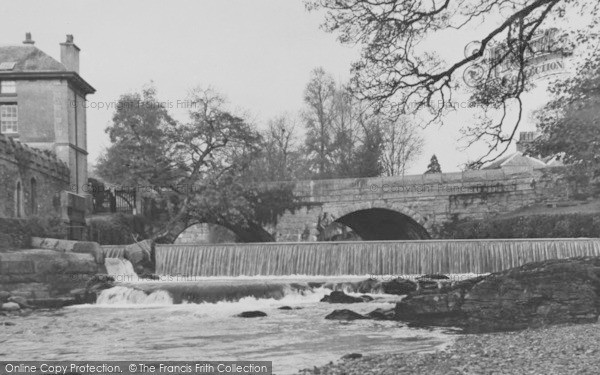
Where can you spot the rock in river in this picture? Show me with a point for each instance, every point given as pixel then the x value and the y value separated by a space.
pixel 399 286
pixel 345 315
pixel 10 306
pixel 341 297
pixel 536 294
pixel 251 314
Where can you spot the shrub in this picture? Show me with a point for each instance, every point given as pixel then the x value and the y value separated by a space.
pixel 117 229
pixel 533 226
pixel 16 233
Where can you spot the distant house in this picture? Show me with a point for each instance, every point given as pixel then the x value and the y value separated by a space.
pixel 519 159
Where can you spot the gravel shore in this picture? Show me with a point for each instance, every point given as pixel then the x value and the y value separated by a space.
pixel 562 349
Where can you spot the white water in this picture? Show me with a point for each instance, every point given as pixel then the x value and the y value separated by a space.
pixel 121 295
pixel 120 269
pixel 125 325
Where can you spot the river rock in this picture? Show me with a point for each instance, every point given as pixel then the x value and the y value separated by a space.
pixel 83 296
pixel 284 308
pixel 11 306
pixel 4 295
pixel 99 282
pixel 536 294
pixel 140 256
pixel 251 314
pixel 369 286
pixel 382 314
pixel 352 356
pixel 433 276
pixel 341 297
pixel 21 301
pixel 399 286
pixel 345 315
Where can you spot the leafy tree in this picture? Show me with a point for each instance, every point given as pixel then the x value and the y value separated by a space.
pixel 368 154
pixel 351 138
pixel 398 70
pixel 434 166
pixel 194 171
pixel 319 99
pixel 570 123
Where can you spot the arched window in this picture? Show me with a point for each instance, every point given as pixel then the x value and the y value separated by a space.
pixel 33 197
pixel 18 199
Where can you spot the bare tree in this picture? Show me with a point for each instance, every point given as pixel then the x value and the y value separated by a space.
pixel 281 148
pixel 402 145
pixel 396 71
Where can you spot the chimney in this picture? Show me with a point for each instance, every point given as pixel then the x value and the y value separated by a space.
pixel 525 139
pixel 28 39
pixel 69 55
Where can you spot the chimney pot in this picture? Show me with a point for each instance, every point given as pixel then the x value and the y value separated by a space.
pixel 70 38
pixel 28 39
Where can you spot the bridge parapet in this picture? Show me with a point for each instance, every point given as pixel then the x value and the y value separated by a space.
pixel 429 199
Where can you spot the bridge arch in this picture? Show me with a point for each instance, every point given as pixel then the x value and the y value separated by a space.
pixel 251 233
pixel 374 222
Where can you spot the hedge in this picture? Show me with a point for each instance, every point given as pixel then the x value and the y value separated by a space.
pixel 117 229
pixel 532 226
pixel 17 233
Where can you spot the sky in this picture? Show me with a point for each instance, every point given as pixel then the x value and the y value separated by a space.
pixel 258 53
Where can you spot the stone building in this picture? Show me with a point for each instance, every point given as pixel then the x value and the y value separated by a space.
pixel 31 181
pixel 42 103
pixel 43 146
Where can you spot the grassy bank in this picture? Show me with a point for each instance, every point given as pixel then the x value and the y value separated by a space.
pixel 563 349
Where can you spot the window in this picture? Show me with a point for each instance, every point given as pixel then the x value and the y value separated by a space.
pixel 8 87
pixel 18 199
pixel 33 197
pixel 8 119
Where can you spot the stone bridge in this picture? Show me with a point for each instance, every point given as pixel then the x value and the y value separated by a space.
pixel 408 207
pixel 413 207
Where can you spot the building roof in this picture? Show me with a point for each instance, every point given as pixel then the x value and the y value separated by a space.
pixel 28 58
pixel 516 160
pixel 29 62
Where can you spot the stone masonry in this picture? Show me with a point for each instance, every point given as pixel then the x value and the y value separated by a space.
pixel 430 200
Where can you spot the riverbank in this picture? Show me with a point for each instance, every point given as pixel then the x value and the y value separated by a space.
pixel 561 349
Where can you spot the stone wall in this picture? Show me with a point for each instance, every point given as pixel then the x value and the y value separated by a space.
pixel 430 199
pixel 40 175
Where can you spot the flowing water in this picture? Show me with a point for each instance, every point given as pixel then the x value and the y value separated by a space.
pixel 190 312
pixel 362 258
pixel 128 324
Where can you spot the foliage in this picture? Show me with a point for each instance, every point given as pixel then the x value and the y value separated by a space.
pixel 319 98
pixel 434 166
pixel 198 171
pixel 17 233
pixel 118 229
pixel 570 123
pixel 532 226
pixel 401 70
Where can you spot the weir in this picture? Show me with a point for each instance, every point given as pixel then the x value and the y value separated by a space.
pixel 365 258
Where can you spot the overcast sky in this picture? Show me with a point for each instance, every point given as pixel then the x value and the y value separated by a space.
pixel 258 53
